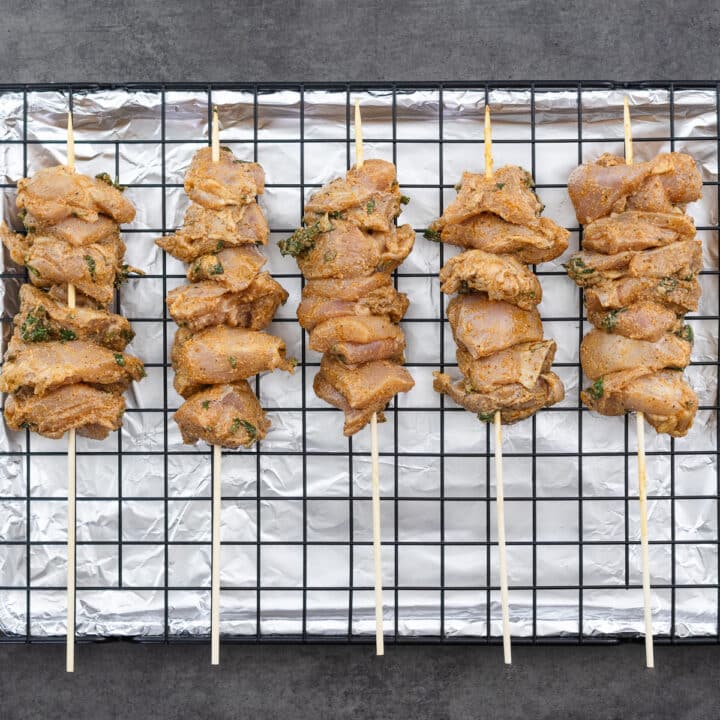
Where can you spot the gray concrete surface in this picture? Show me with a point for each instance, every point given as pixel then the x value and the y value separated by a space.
pixel 362 40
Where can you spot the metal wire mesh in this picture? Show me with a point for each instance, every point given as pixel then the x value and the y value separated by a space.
pixel 477 593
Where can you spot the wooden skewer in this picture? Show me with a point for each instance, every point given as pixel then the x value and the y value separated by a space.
pixel 642 476
pixel 216 489
pixel 72 486
pixel 500 491
pixel 374 457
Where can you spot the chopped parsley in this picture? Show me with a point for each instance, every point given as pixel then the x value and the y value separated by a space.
pixel 205 404
pixel 499 186
pixel 122 275
pixel 686 333
pixel 119 359
pixel 233 361
pixel 336 215
pixel 330 255
pixel 301 241
pixel 610 320
pixel 220 245
pixel 370 207
pixel 596 390
pixel 667 284
pixel 34 328
pixel 250 429
pixel 577 269
pixel 66 335
pixel 104 177
pixel 486 417
pixel 433 235
pixel 217 269
pixel 404 199
pixel 92 265
pixel 32 269
pixel 235 426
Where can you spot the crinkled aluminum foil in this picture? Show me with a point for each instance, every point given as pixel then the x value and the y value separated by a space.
pixel 131 501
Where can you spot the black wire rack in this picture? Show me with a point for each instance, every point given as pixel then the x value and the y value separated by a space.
pixel 476 593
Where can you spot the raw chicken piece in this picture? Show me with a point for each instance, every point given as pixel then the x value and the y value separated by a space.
pixel 668 402
pixel 227 182
pixel 539 242
pixel 222 355
pixel 93 269
pixel 45 365
pixel 206 303
pixel 207 231
pixel 73 230
pixel 501 277
pixel 233 268
pixel 602 353
pixel 383 300
pixel 680 296
pixel 644 320
pixel 523 364
pixel 358 339
pixel 484 327
pixel 608 185
pixel 367 197
pixel 92 412
pixel 514 401
pixel 56 193
pixel 637 230
pixel 42 318
pixel 680 259
pixel 366 388
pixel 228 415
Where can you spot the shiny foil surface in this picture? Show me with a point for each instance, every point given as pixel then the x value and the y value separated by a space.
pixel 296 518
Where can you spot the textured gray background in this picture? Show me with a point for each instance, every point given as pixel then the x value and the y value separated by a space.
pixel 361 40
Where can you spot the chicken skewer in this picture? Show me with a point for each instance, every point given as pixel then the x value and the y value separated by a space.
pixel 642 477
pixel 374 459
pixel 216 489
pixel 503 357
pixel 499 485
pixel 72 489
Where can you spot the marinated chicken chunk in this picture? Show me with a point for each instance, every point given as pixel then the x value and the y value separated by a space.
pixel 681 296
pixel 92 412
pixel 368 197
pixel 500 277
pixel 344 251
pixel 668 402
pixel 56 193
pixel 233 268
pixel 46 365
pixel 608 185
pixel 358 339
pixel 73 230
pixel 366 388
pixel 680 259
pixel 206 231
pixel 206 303
pixel 41 318
pixel 228 415
pixel 602 353
pixel 637 230
pixel 382 300
pixel 220 355
pixel 484 327
pixel 520 364
pixel 93 269
pixel 539 242
pixel 644 320
pixel 514 401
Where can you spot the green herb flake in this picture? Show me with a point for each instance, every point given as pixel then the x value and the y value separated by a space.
pixel 122 275
pixel 250 429
pixel 217 269
pixel 432 235
pixel 686 333
pixel 104 177
pixel 32 269
pixel 66 335
pixel 370 207
pixel 220 245
pixel 667 284
pixel 92 265
pixel 486 417
pixel 596 390
pixel 499 186
pixel 577 269
pixel 119 359
pixel 404 199
pixel 611 319
pixel 34 328
pixel 330 255
pixel 301 241
pixel 233 361
pixel 235 426
pixel 205 404
pixel 335 215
